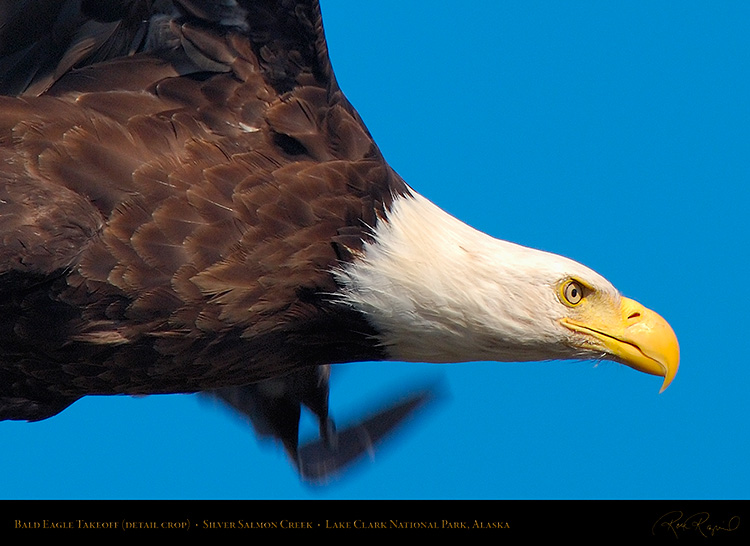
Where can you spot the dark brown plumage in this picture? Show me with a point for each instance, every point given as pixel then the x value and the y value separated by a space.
pixel 178 180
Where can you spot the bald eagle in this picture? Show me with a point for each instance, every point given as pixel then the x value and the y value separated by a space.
pixel 189 203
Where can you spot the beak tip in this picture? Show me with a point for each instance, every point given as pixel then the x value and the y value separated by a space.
pixel 671 366
pixel 668 377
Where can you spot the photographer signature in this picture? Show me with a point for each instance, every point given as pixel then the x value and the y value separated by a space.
pixel 676 522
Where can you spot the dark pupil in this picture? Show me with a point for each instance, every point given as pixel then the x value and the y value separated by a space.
pixel 573 293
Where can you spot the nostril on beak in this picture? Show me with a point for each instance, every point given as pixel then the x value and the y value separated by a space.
pixel 634 315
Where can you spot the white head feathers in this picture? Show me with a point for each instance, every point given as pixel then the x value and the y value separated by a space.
pixel 440 291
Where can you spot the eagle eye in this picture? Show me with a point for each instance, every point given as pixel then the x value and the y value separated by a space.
pixel 572 292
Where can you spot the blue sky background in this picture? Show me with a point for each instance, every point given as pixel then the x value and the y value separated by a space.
pixel 615 133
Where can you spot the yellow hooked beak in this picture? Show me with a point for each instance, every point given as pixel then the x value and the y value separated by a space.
pixel 635 336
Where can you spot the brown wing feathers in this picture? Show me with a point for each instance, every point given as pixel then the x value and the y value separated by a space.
pixel 176 213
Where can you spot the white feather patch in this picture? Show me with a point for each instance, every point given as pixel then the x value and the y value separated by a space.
pixel 440 291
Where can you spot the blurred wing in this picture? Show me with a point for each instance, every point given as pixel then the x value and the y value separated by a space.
pixel 273 407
